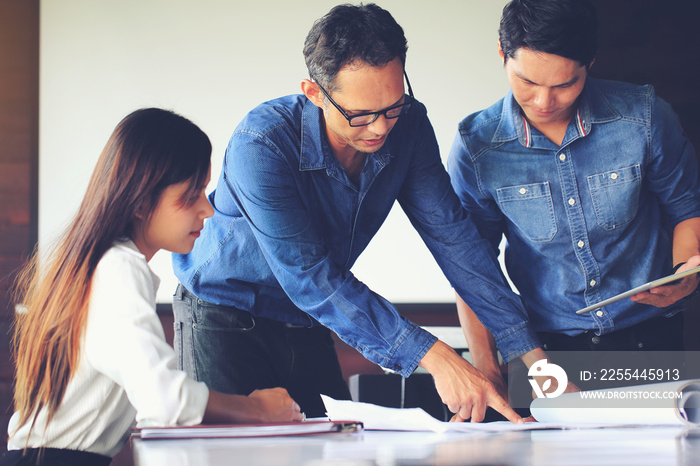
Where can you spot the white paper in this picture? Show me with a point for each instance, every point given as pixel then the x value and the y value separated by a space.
pixel 567 411
pixel 416 419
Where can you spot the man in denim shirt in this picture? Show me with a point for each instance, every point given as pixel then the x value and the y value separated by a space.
pixel 594 186
pixel 307 181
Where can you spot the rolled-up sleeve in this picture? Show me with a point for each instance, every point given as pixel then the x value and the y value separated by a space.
pixel 672 171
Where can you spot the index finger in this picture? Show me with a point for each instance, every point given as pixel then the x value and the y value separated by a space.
pixel 500 405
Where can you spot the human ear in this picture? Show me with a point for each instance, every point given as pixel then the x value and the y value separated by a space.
pixel 588 68
pixel 500 53
pixel 141 212
pixel 312 92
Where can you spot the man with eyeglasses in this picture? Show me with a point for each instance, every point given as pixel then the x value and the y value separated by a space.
pixel 307 182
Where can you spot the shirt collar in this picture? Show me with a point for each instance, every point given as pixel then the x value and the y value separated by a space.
pixel 315 153
pixel 314 146
pixel 593 108
pixel 129 245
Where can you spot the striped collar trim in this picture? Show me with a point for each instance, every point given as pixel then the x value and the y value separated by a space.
pixel 580 123
pixel 527 129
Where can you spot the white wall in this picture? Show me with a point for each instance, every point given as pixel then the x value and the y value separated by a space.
pixel 212 61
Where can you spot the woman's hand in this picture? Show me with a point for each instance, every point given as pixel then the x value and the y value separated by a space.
pixel 276 405
pixel 268 405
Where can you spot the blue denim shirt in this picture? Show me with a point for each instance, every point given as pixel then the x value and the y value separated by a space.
pixel 289 224
pixel 584 221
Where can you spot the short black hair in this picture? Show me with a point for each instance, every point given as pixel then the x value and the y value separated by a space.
pixel 568 28
pixel 348 33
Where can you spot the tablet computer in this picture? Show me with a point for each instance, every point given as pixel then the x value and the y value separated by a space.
pixel 667 280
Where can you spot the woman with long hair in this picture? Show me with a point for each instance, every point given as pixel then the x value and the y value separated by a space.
pixel 90 354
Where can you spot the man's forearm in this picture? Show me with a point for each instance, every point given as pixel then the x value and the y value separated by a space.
pixel 480 341
pixel 686 240
pixel 533 356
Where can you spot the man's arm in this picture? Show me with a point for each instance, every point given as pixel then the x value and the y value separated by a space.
pixel 472 267
pixel 686 240
pixel 482 346
pixel 674 177
pixel 686 248
pixel 468 261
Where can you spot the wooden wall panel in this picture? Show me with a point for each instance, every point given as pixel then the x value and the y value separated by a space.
pixel 19 91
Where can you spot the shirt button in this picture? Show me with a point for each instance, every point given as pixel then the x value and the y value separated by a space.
pixel 523 190
pixel 581 244
pixel 599 313
pixel 593 282
pixel 562 157
pixel 613 176
pixel 595 340
pixel 572 201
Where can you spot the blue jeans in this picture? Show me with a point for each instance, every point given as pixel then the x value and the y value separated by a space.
pixel 233 351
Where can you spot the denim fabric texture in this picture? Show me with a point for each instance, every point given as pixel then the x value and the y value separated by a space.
pixel 233 351
pixel 586 220
pixel 289 224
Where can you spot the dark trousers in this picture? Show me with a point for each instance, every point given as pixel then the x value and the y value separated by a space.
pixel 233 351
pixel 656 334
pixel 53 457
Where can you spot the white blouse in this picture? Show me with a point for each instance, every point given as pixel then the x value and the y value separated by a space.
pixel 127 371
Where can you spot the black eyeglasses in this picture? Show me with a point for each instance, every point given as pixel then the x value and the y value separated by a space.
pixel 364 119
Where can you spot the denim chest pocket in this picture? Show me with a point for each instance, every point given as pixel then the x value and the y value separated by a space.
pixel 615 196
pixel 530 208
